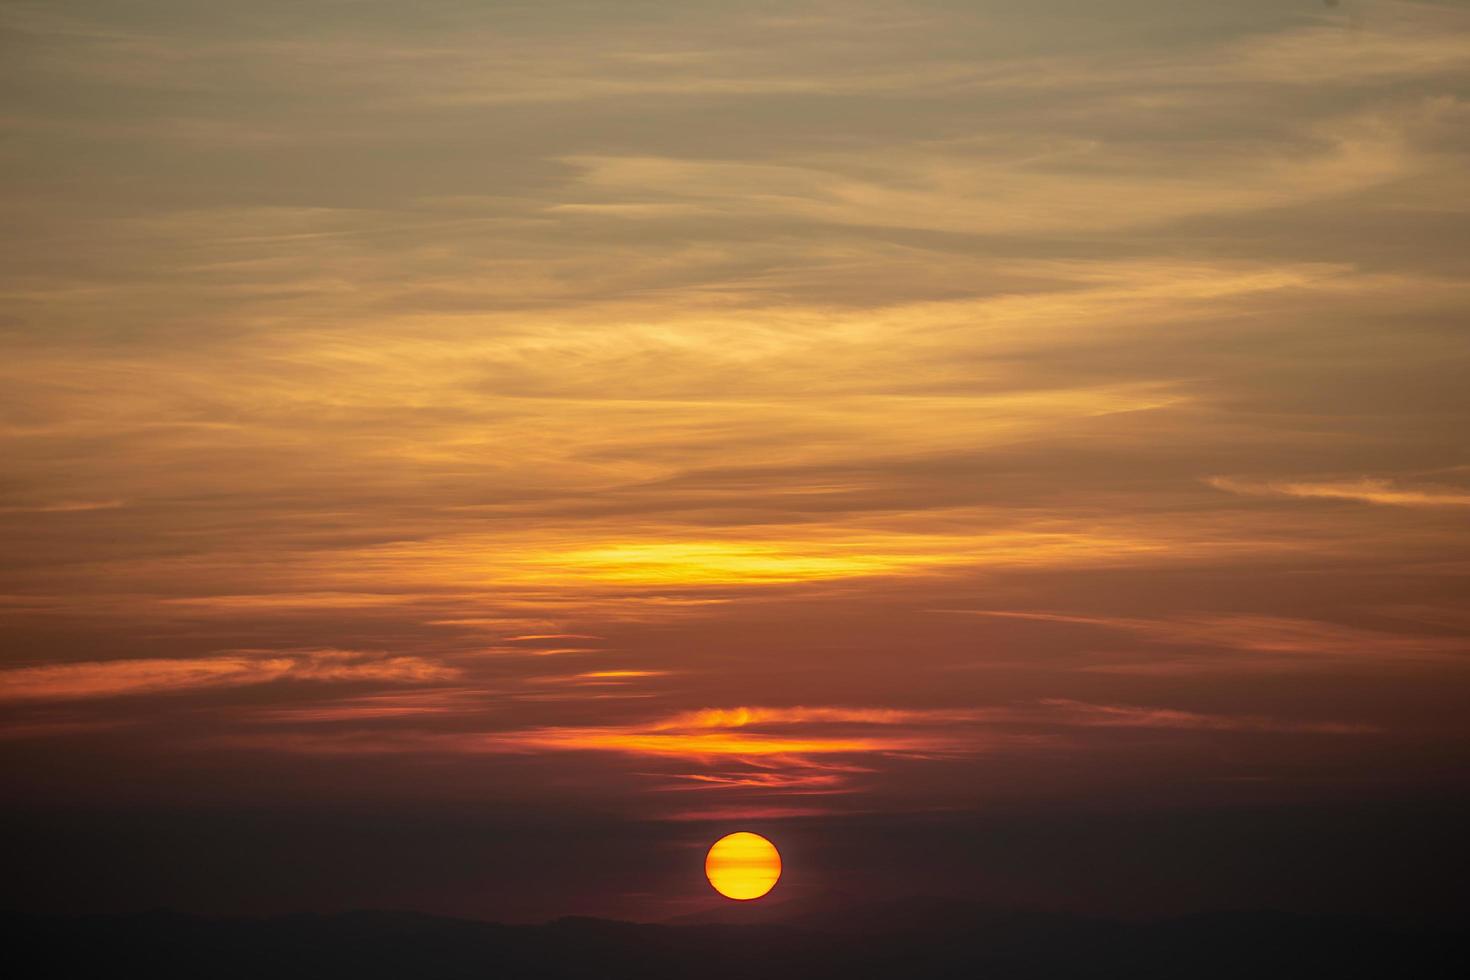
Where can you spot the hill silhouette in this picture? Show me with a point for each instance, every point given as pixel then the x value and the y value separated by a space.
pixel 919 938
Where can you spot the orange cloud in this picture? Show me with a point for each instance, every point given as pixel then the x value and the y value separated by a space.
pixel 709 735
pixel 101 679
pixel 799 783
pixel 789 744
pixel 597 678
pixel 305 600
pixel 700 745
pixel 744 717
pixel 1368 491
pixel 379 706
pixel 62 507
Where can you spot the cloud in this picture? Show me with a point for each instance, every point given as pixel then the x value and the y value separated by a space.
pixel 1278 635
pixel 1022 189
pixel 102 679
pixel 770 753
pixel 706 562
pixel 1127 716
pixel 62 507
pixel 729 813
pixel 724 718
pixel 599 678
pixel 706 745
pixel 376 707
pixel 761 738
pixel 1364 490
pixel 790 735
pixel 291 600
pixel 20 730
pixel 799 783
pixel 773 751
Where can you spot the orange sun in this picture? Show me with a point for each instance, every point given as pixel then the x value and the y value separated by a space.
pixel 743 866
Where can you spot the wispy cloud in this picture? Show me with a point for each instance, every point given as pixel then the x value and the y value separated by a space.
pixel 1127 716
pixel 1364 490
pixel 946 188
pixel 806 783
pixel 61 507
pixel 771 754
pixel 1261 634
pixel 761 739
pixel 376 707
pixel 747 812
pixel 101 679
pixel 735 718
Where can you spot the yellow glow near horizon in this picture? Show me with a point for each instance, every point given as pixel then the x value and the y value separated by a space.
pixel 743 866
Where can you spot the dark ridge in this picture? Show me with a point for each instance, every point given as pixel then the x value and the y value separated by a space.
pixel 907 939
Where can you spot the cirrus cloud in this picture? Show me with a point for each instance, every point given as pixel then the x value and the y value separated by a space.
pixel 112 678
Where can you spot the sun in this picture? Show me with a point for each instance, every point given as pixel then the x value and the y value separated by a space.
pixel 743 866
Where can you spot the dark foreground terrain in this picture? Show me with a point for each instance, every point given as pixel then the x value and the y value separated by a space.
pixel 914 939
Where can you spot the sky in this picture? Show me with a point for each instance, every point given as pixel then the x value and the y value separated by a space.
pixel 470 456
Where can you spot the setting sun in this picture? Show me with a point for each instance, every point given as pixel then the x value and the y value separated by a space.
pixel 459 460
pixel 743 866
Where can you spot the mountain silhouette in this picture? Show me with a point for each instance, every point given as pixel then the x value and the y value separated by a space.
pixel 911 938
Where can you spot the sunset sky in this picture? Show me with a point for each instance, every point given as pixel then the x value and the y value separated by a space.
pixel 470 455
